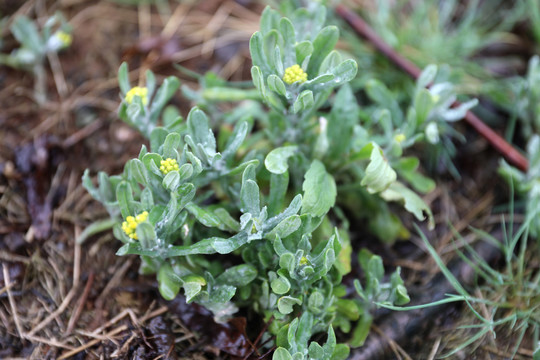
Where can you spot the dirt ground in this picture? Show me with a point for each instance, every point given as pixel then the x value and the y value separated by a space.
pixel 62 300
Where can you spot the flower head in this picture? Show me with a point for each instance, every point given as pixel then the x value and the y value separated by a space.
pixel 130 225
pixel 141 92
pixel 294 74
pixel 304 260
pixel 64 38
pixel 399 138
pixel 168 165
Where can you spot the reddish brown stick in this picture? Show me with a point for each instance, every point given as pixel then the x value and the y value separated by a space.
pixel 364 30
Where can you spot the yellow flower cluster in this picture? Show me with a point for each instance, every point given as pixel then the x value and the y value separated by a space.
pixel 141 92
pixel 400 138
pixel 304 260
pixel 168 165
pixel 130 225
pixel 293 74
pixel 64 38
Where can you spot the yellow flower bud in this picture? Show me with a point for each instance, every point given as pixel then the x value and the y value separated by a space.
pixel 400 138
pixel 64 38
pixel 168 165
pixel 294 74
pixel 141 92
pixel 130 225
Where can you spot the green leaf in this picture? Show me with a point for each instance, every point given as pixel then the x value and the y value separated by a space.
pixel 285 304
pixel 278 189
pixel 258 80
pixel 137 171
pixel 147 199
pixel 343 117
pixel 289 36
pixel 163 95
pixel 426 77
pixel 240 168
pixel 362 330
pixel 191 290
pixel 380 94
pixel 379 175
pixel 152 162
pixel 269 19
pixel 287 261
pixel 280 285
pixel 319 190
pixel 285 227
pixel 123 79
pixel 235 140
pixel 375 267
pixel 406 168
pixel 239 276
pixel 197 123
pixel 412 202
pixel 315 351
pixel 270 43
pixel 226 221
pixel 171 181
pixel 304 101
pixel 321 79
pixel 171 144
pixel 281 354
pixel 249 195
pixel 26 33
pixel 459 112
pixel 276 160
pixel 258 56
pixel 185 171
pixel 316 301
pixel 344 72
pixel 89 186
pixel 330 62
pixel 341 352
pixel 157 138
pixel 303 50
pixel 169 284
pixel 304 331
pixel 146 236
pixel 197 165
pixel 423 104
pixel 325 42
pixel 150 82
pixel 124 196
pixel 226 246
pixel 276 84
pixel 205 217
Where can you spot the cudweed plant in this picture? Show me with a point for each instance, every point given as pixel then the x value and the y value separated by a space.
pixel 54 36
pixel 189 194
pixel 296 69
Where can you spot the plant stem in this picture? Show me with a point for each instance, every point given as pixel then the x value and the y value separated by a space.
pixel 363 29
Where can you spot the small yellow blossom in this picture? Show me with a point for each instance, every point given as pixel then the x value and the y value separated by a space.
pixel 64 38
pixel 304 260
pixel 293 74
pixel 141 92
pixel 130 225
pixel 400 138
pixel 168 165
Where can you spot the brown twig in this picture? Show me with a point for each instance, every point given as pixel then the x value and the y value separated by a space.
pixel 80 304
pixel 364 30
